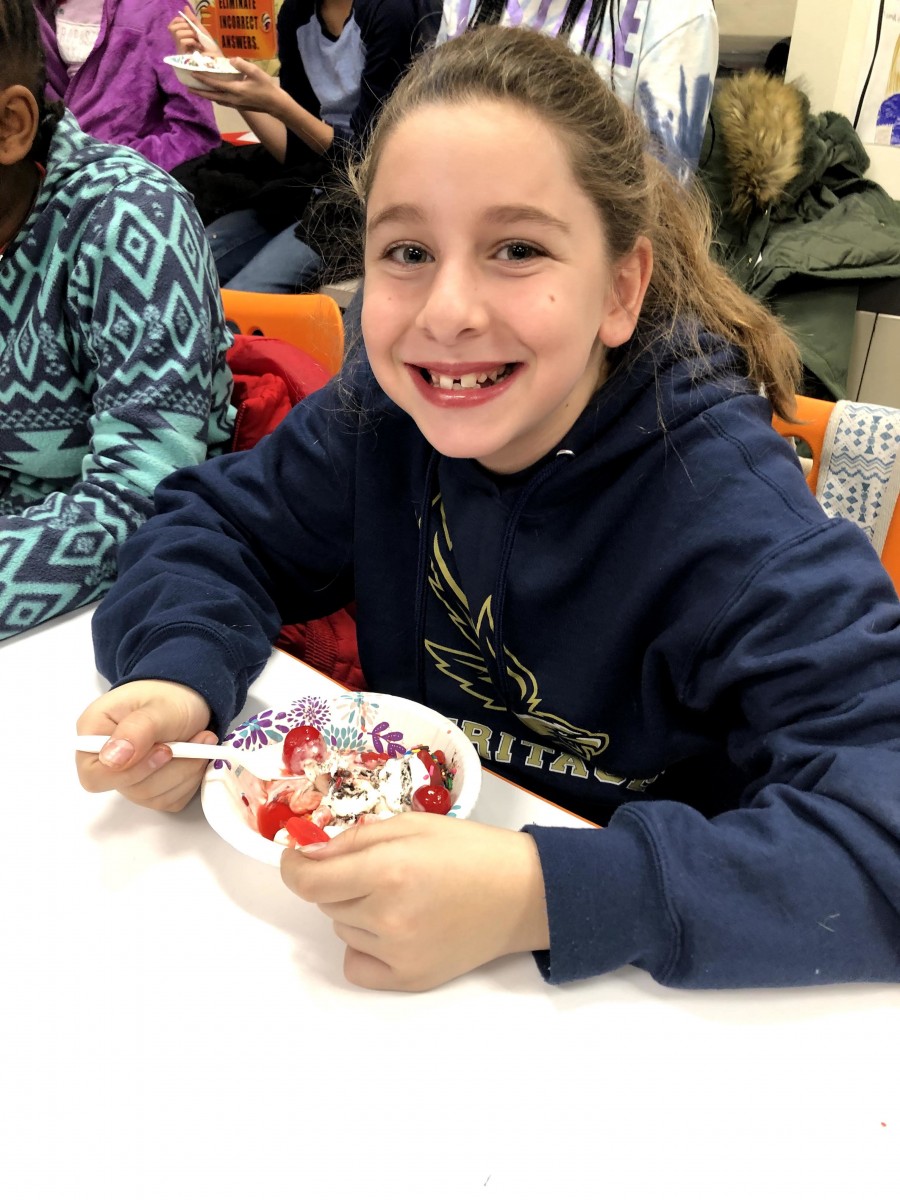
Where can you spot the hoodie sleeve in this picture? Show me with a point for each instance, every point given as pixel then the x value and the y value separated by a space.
pixel 674 84
pixel 389 29
pixel 239 546
pixel 800 883
pixel 145 315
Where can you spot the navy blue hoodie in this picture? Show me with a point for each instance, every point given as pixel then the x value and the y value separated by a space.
pixel 656 626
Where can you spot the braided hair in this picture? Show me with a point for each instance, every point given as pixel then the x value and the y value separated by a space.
pixel 22 62
pixel 489 12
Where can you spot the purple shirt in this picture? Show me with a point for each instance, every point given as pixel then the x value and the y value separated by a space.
pixel 125 94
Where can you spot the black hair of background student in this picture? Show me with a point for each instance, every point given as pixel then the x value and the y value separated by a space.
pixel 489 12
pixel 22 61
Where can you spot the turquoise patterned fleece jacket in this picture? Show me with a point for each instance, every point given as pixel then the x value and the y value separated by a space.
pixel 112 370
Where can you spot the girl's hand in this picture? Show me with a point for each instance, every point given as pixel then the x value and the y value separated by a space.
pixel 186 41
pixel 420 898
pixel 256 92
pixel 137 717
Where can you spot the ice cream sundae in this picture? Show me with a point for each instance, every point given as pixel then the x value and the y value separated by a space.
pixel 198 61
pixel 325 790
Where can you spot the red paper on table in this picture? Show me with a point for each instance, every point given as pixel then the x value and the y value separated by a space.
pixel 243 28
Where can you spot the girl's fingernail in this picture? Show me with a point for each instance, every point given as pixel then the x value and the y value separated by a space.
pixel 313 849
pixel 159 757
pixel 116 753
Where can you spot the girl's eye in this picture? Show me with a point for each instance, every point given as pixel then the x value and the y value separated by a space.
pixel 408 256
pixel 518 252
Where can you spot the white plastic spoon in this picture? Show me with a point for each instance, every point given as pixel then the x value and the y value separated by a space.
pixel 209 43
pixel 94 743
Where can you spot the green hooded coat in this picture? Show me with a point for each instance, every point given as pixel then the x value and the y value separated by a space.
pixel 797 224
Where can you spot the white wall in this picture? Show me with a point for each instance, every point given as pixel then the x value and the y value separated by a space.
pixel 767 20
pixel 829 50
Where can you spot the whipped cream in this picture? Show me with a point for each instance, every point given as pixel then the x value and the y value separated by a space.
pixel 339 790
pixel 208 62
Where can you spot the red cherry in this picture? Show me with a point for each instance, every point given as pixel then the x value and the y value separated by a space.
pixel 301 745
pixel 432 799
pixel 272 817
pixel 304 832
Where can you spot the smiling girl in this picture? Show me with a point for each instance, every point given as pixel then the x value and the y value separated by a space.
pixel 552 485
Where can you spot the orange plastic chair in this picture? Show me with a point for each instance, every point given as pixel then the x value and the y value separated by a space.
pixel 312 323
pixel 810 425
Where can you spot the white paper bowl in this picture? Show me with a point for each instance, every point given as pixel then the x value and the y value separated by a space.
pixel 347 720
pixel 192 76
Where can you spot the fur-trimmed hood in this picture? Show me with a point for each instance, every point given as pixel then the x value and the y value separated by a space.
pixel 762 123
pixel 765 153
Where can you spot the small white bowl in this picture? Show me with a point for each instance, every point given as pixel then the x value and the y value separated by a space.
pixel 347 720
pixel 195 76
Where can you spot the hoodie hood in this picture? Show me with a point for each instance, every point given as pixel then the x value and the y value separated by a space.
pixel 651 393
pixel 71 150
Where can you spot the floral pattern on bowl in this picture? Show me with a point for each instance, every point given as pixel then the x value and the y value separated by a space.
pixel 348 721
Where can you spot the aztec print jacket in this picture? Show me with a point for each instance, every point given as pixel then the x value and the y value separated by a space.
pixel 112 370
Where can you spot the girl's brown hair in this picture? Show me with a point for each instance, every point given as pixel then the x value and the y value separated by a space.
pixel 635 195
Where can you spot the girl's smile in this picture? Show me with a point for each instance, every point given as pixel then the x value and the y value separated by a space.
pixel 489 297
pixel 462 385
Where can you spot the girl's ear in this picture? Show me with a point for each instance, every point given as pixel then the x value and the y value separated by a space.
pixel 18 124
pixel 628 286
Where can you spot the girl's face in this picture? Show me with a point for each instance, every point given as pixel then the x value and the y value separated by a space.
pixel 489 295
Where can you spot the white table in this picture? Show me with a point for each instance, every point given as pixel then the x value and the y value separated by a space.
pixel 174 1024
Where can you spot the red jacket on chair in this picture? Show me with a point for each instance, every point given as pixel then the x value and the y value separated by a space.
pixel 270 377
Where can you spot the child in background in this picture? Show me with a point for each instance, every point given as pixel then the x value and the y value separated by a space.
pixel 105 62
pixel 553 487
pixel 659 56
pixel 112 343
pixel 339 60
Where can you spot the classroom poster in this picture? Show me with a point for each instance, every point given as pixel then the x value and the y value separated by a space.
pixel 878 120
pixel 243 28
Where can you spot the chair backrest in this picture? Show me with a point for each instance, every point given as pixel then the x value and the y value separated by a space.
pixel 856 467
pixel 312 322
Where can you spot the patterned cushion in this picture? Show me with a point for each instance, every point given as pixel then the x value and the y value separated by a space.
pixel 859 475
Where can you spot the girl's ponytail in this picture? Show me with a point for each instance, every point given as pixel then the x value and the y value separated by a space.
pixel 689 289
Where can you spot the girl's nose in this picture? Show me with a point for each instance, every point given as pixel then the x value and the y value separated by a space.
pixel 454 305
